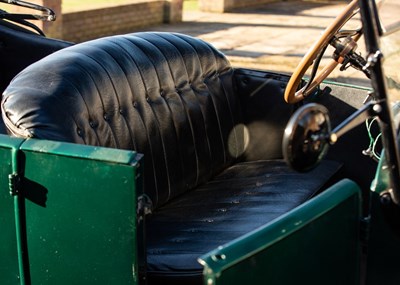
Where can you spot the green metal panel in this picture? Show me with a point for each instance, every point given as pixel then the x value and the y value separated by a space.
pixel 80 213
pixel 384 241
pixel 9 272
pixel 316 243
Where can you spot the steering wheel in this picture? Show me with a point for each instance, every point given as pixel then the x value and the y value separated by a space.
pixel 291 95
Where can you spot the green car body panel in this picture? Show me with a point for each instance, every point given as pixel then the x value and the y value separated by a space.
pixel 60 182
pixel 384 238
pixel 326 228
pixel 9 268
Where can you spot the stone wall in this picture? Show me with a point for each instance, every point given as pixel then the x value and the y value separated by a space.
pixel 86 25
pixel 91 24
pixel 221 6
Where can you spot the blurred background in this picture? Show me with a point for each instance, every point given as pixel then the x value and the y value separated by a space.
pixel 260 34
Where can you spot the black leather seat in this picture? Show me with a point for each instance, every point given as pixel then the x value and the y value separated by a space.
pixel 19 48
pixel 171 97
pixel 242 198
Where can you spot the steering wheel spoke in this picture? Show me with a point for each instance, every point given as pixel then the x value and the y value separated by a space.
pixel 331 33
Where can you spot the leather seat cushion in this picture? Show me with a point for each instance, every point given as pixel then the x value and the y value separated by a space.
pixel 168 96
pixel 241 199
pixel 15 42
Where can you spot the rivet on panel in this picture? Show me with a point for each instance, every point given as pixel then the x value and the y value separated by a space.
pixel 218 257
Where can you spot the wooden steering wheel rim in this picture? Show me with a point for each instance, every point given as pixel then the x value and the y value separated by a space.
pixel 291 95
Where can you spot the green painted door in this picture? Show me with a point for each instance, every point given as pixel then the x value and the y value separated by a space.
pixel 78 211
pixel 316 243
pixel 9 271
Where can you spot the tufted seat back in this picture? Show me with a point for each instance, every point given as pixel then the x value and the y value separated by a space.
pixel 171 97
pixel 155 93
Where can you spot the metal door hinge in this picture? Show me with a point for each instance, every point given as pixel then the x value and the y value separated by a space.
pixel 14 183
pixel 144 207
pixel 365 224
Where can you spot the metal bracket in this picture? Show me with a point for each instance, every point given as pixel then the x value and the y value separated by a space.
pixel 372 59
pixel 48 14
pixel 14 183
pixel 144 207
pixel 372 108
pixel 365 223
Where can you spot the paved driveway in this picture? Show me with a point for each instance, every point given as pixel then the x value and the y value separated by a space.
pixel 273 36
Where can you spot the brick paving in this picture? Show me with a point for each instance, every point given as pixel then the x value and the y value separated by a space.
pixel 272 36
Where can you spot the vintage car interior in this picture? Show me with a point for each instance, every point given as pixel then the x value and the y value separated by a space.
pixel 210 134
pixel 178 101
